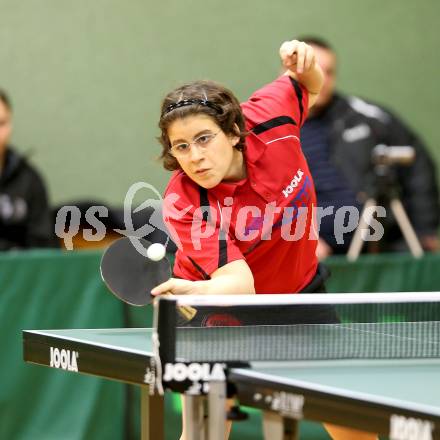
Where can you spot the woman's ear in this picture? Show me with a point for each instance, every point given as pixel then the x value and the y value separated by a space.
pixel 235 138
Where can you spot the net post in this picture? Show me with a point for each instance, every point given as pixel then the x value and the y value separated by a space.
pixel 165 327
pixel 163 338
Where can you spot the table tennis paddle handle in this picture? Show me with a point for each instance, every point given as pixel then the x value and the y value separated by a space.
pixel 186 312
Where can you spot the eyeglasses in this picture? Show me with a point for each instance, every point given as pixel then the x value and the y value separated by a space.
pixel 202 142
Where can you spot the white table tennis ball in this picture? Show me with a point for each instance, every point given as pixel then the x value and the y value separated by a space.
pixel 156 251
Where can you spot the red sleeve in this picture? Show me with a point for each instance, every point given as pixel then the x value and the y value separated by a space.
pixel 202 245
pixel 283 97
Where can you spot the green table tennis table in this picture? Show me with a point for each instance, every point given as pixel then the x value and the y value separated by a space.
pixel 397 398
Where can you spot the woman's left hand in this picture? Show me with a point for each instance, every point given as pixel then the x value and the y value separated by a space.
pixel 298 57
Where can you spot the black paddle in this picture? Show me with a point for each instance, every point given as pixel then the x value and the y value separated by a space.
pixel 131 276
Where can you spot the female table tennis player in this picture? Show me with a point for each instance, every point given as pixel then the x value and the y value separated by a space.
pixel 241 199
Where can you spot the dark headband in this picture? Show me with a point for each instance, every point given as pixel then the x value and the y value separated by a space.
pixel 186 102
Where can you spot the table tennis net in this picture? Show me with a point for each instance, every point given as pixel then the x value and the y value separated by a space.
pixel 313 331
pixel 309 342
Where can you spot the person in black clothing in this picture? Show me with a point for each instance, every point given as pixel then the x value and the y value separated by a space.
pixel 25 218
pixel 338 138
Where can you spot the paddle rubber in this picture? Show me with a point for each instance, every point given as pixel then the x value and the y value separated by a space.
pixel 130 275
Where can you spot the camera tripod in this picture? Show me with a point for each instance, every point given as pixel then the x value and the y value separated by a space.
pixel 384 188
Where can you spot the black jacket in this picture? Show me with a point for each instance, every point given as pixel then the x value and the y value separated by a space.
pixel 356 127
pixel 25 218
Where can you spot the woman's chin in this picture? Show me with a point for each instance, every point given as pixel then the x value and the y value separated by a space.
pixel 207 183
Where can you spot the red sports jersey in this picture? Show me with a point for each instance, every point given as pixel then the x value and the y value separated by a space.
pixel 267 218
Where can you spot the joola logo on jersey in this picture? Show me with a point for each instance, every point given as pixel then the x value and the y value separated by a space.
pixel 194 372
pixel 64 359
pixel 294 183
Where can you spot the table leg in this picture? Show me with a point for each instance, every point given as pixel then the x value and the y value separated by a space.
pixel 276 427
pixel 152 415
pixel 194 417
pixel 217 410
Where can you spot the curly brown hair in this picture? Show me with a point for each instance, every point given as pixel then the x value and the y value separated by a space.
pixel 220 104
pixel 5 99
